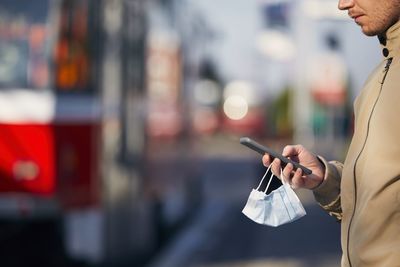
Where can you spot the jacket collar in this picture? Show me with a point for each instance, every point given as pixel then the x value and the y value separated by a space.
pixel 390 41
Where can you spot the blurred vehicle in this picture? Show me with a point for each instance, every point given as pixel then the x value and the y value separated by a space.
pixel 50 122
pixel 73 129
pixel 28 155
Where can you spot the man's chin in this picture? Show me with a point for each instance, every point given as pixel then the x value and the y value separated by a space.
pixel 369 32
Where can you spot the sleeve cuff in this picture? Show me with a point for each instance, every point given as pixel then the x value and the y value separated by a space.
pixel 329 190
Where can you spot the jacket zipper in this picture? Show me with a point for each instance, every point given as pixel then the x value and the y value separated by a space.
pixel 386 70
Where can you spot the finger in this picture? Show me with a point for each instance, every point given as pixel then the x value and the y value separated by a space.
pixel 276 167
pixel 287 171
pixel 297 180
pixel 289 151
pixel 266 159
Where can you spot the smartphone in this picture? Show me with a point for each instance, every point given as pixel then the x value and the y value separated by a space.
pixel 263 149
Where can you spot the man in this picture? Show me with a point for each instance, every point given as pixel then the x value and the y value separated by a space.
pixel 364 192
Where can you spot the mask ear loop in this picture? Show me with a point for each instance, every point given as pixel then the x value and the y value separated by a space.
pixel 262 179
pixel 283 180
pixel 269 182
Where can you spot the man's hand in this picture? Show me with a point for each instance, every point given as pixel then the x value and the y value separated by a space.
pixel 296 178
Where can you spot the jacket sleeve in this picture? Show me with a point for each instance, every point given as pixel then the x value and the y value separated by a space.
pixel 328 193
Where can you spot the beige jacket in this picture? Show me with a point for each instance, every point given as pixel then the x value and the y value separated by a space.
pixel 364 192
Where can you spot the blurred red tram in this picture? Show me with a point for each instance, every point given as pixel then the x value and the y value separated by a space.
pixel 49 103
pixel 71 132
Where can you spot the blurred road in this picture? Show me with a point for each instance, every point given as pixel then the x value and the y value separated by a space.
pixel 220 235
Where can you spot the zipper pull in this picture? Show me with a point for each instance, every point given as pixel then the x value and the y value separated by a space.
pixel 388 62
pixel 385 71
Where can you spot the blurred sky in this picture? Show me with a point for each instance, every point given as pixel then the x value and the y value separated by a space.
pixel 236 23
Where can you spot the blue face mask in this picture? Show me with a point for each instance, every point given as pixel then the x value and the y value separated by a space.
pixel 279 207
